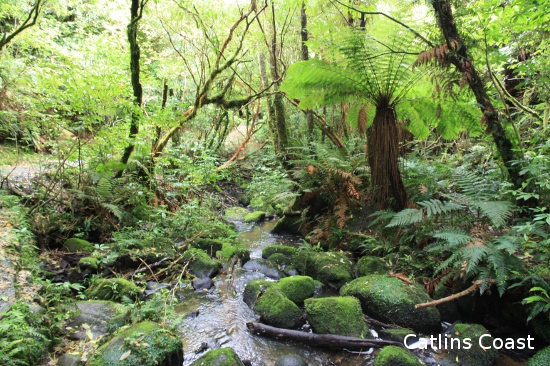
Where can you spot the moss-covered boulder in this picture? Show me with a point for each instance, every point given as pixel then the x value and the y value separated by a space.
pixel 90 263
pixel 398 335
pixel 201 264
pixel 396 356
pixel 143 344
pixel 475 356
pixel 279 259
pixel 288 224
pixel 336 315
pixel 78 245
pixel 334 269
pixel 297 288
pixel 277 310
pixel 255 216
pixel 238 251
pixel 210 246
pixel 371 265
pixel 254 289
pixel 285 250
pixel 235 213
pixel 219 357
pixel 391 300
pixel 115 289
pixel 101 317
pixel 541 358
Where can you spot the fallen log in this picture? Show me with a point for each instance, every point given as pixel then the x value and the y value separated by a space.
pixel 319 340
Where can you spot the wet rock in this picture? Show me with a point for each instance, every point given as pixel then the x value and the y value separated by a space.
pixel 290 360
pixel 277 310
pixel 254 290
pixel 78 245
pixel 290 271
pixel 279 259
pixel 396 356
pixel 153 345
pixel 333 268
pixel 101 317
pixel 210 246
pixel 221 357
pixel 192 314
pixel 255 216
pixel 541 326
pixel 115 289
pixel 152 288
pixel 288 224
pixel 449 310
pixel 398 335
pixel 475 356
pixel 285 250
pixel 297 288
pixel 200 263
pixel 202 284
pixel 70 360
pixel 371 265
pixel 235 213
pixel 90 263
pixel 541 358
pixel 390 300
pixel 337 315
pixel 266 268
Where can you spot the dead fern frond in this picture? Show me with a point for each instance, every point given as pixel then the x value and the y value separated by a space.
pixel 437 55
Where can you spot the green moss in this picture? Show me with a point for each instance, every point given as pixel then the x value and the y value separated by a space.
pixel 541 358
pixel 255 216
pixel 333 269
pixel 146 344
pixel 88 263
pixel 235 213
pixel 219 357
pixel 541 326
pixel 297 288
pixel 285 250
pixel 200 263
pixel 475 356
pixel 398 335
pixel 78 245
pixel 371 265
pixel 277 310
pixel 210 246
pixel 288 224
pixel 390 300
pixel 396 356
pixel 336 315
pixel 23 339
pixel 255 289
pixel 279 259
pixel 112 289
pixel 237 250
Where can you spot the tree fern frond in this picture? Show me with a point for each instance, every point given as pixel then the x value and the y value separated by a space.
pixel 406 217
pixel 115 210
pixel 498 212
pixel 453 236
pixel 435 207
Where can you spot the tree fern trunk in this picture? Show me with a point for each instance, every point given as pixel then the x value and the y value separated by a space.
pixel 383 153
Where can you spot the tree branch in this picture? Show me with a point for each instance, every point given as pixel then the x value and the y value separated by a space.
pixel 29 22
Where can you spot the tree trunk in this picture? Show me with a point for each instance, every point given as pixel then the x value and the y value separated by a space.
pixel 136 10
pixel 383 153
pixel 458 56
pixel 305 57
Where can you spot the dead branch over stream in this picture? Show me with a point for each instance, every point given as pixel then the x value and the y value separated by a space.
pixel 319 340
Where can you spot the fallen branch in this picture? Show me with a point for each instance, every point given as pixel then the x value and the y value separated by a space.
pixel 378 323
pixel 319 340
pixel 154 265
pixel 452 297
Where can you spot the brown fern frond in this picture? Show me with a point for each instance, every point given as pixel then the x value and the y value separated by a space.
pixel 438 55
pixel 340 212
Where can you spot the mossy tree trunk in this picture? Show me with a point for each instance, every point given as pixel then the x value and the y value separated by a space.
pixel 305 57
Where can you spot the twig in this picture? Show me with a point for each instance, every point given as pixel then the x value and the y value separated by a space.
pixel 154 265
pixel 373 321
pixel 190 240
pixel 452 297
pixel 150 270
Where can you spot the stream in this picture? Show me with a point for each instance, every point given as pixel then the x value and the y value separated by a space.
pixel 222 314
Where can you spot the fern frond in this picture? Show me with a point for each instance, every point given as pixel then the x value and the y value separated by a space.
pixel 406 217
pixel 498 212
pixel 115 210
pixel 453 236
pixel 435 207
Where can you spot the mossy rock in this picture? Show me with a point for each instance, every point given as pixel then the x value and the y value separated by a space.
pixel 288 224
pixel 235 250
pixel 334 269
pixel 371 265
pixel 90 263
pixel 277 310
pixel 398 335
pixel 115 289
pixel 285 250
pixel 255 289
pixel 101 316
pixel 541 358
pixel 475 356
pixel 279 259
pixel 150 250
pixel 396 356
pixel 219 357
pixel 78 245
pixel 297 288
pixel 541 326
pixel 235 213
pixel 449 310
pixel 255 216
pixel 143 344
pixel 210 246
pixel 200 263
pixel 391 300
pixel 336 315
